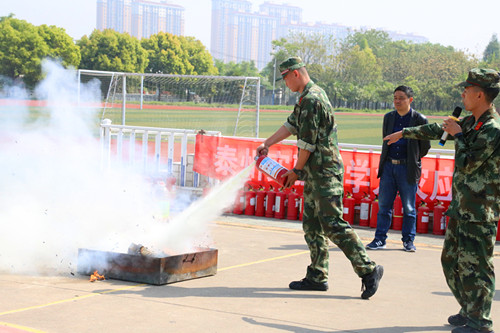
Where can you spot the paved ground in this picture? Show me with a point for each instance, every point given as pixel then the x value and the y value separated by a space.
pixel 257 259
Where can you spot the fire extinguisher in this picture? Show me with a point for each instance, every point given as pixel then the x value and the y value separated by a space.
pixel 423 218
pixel 397 215
pixel 260 201
pixel 293 205
pixel 498 231
pixel 271 168
pixel 279 205
pixel 250 201
pixel 270 200
pixel 364 212
pixel 239 203
pixel 349 203
pixel 439 223
pixel 301 204
pixel 374 212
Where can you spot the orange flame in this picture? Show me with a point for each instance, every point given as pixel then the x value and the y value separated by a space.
pixel 96 276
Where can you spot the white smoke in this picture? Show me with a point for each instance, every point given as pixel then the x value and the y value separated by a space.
pixel 55 198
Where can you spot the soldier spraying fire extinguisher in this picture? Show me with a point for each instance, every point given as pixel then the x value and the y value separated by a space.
pixel 320 166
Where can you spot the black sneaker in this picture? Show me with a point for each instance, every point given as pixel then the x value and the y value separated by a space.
pixel 376 245
pixel 306 284
pixel 369 282
pixel 468 329
pixel 409 247
pixel 457 320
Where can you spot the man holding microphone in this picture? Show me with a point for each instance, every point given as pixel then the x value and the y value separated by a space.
pixel 467 256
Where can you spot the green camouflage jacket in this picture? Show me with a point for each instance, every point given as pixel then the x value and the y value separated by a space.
pixel 313 122
pixel 476 177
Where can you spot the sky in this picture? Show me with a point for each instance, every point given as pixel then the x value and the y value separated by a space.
pixel 465 25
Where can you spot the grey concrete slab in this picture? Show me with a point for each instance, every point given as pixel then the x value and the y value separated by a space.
pixel 257 260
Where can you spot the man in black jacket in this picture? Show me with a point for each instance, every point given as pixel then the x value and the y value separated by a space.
pixel 399 170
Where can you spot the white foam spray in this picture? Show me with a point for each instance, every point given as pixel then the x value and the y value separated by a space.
pixel 55 198
pixel 183 232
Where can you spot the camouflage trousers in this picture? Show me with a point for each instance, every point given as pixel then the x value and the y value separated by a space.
pixel 322 221
pixel 467 261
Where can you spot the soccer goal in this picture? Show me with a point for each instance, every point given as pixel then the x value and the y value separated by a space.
pixel 229 104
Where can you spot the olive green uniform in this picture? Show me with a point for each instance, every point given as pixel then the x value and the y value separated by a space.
pixel 313 122
pixel 467 257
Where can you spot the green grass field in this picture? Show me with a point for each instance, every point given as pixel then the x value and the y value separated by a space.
pixel 357 128
pixel 352 127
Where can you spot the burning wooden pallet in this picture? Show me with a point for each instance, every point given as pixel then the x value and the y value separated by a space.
pixel 146 268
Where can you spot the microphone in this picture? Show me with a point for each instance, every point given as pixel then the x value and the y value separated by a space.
pixel 456 113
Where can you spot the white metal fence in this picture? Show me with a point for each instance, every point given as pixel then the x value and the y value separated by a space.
pixel 127 140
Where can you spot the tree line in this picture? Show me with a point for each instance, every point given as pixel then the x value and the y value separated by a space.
pixel 23 46
pixel 362 71
pixel 359 72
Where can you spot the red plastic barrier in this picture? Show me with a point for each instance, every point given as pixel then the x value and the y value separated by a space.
pixel 359 177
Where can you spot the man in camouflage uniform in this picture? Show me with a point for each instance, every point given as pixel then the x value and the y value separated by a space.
pixel 467 257
pixel 319 163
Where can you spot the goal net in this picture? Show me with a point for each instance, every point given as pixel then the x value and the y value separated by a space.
pixel 216 103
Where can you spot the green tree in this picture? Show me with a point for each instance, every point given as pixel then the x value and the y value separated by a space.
pixel 363 70
pixel 437 70
pixel 493 63
pixel 166 55
pixel 312 48
pixel 244 68
pixel 109 50
pixel 315 50
pixel 21 50
pixel 359 66
pixel 431 70
pixel 23 46
pixel 198 56
pixel 61 45
pixel 492 51
pixel 376 40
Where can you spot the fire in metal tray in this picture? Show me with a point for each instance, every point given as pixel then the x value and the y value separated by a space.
pixel 140 265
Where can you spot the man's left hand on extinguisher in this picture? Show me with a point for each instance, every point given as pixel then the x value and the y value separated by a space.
pixel 291 178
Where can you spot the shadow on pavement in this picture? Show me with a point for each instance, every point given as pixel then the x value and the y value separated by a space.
pixel 175 291
pixel 388 329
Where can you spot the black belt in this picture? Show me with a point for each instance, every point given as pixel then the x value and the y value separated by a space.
pixel 393 161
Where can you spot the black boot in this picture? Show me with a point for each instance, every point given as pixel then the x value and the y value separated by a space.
pixel 370 282
pixel 306 284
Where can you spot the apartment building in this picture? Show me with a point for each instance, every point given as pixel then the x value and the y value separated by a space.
pixel 140 18
pixel 240 34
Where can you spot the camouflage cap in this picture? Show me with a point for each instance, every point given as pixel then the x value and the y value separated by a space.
pixel 482 77
pixel 290 64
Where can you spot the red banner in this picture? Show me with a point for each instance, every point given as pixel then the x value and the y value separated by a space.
pixel 222 157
